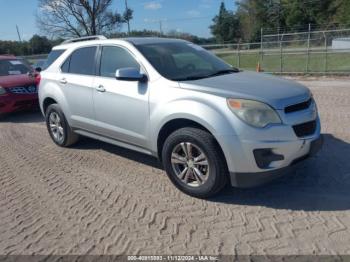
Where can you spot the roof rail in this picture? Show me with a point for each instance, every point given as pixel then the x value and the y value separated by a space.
pixel 85 38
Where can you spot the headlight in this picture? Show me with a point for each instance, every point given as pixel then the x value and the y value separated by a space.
pixel 2 91
pixel 254 113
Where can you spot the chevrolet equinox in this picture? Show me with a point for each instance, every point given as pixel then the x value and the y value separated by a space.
pixel 207 122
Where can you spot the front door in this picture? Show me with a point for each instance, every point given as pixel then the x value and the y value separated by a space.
pixel 121 107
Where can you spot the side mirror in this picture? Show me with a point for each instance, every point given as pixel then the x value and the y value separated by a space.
pixel 130 74
pixel 38 69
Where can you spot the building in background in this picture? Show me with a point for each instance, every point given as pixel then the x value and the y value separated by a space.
pixel 341 43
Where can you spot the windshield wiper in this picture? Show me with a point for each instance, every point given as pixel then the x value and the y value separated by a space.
pixel 189 78
pixel 224 72
pixel 217 73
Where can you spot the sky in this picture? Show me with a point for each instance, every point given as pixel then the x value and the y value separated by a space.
pixel 190 16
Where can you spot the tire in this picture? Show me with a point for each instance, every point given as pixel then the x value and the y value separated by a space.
pixel 64 137
pixel 212 167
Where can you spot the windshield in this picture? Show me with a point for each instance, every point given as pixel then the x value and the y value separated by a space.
pixel 182 61
pixel 14 67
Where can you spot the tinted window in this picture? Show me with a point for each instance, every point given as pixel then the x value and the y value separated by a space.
pixel 114 58
pixel 52 57
pixel 82 61
pixel 13 67
pixel 65 66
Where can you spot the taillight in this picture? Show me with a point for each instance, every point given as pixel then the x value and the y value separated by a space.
pixel 37 79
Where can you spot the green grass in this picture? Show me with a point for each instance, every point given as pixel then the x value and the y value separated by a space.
pixel 336 62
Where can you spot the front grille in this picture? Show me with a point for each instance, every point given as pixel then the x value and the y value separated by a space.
pixel 24 90
pixel 305 129
pixel 298 107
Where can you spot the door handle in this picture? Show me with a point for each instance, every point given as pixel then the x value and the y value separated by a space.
pixel 63 81
pixel 101 88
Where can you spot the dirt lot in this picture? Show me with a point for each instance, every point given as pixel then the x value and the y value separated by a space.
pixel 101 199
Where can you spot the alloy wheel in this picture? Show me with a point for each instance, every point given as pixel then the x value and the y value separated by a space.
pixel 56 128
pixel 190 164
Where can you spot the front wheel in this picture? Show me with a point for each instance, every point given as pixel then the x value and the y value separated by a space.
pixel 194 162
pixel 58 127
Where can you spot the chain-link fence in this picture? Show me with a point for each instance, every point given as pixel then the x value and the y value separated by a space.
pixel 313 52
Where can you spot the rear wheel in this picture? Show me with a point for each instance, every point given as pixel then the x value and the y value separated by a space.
pixel 194 162
pixel 58 127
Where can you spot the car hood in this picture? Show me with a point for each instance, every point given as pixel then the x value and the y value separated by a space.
pixel 275 91
pixel 16 80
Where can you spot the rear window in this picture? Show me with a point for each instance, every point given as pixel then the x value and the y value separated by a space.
pixel 53 57
pixel 10 67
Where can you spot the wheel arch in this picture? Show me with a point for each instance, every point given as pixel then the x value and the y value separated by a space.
pixel 47 102
pixel 51 93
pixel 175 124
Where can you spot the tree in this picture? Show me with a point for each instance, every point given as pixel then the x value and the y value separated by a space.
pixel 226 25
pixel 256 14
pixel 14 48
pixel 36 45
pixel 67 18
pixel 340 9
pixel 300 13
pixel 40 45
pixel 277 16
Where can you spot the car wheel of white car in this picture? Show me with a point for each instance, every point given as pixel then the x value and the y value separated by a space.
pixel 194 162
pixel 58 127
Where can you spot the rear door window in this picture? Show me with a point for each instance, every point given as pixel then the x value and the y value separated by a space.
pixel 82 61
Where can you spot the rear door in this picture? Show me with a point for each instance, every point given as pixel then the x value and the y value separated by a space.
pixel 121 107
pixel 76 80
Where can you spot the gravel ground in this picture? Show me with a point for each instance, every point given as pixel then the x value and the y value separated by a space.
pixel 100 199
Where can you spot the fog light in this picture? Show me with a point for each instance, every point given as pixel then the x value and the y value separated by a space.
pixel 264 157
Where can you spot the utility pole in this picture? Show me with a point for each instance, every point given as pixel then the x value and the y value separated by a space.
pixel 160 27
pixel 160 24
pixel 261 46
pixel 127 11
pixel 19 36
pixel 308 50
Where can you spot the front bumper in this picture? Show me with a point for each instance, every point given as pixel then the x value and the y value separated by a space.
pixel 13 102
pixel 247 180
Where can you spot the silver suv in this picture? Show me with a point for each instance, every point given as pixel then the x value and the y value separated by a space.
pixel 207 122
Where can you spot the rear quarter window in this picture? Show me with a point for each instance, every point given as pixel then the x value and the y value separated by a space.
pixel 65 66
pixel 53 56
